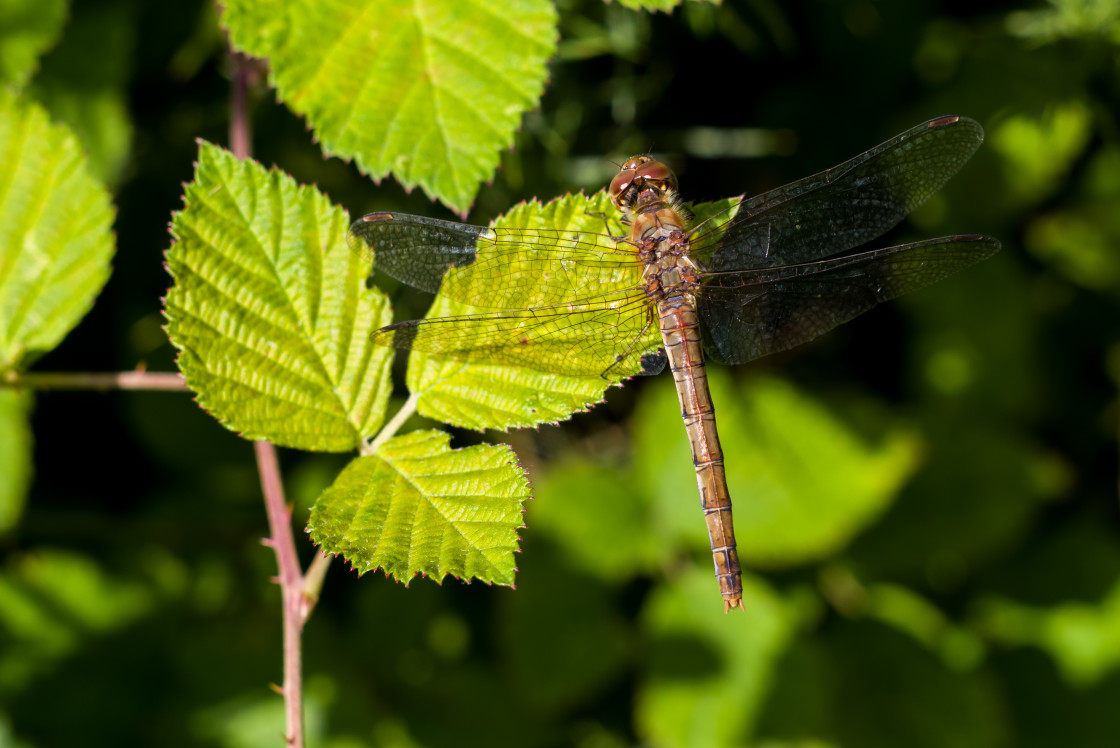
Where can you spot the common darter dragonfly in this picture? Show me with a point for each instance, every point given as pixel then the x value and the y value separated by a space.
pixel 763 275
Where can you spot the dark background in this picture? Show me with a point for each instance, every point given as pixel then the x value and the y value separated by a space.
pixel 139 609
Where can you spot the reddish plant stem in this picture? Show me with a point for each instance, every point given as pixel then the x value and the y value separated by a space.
pixel 125 380
pixel 290 578
pixel 239 127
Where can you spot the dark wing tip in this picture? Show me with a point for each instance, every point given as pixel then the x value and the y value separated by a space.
pixel 989 242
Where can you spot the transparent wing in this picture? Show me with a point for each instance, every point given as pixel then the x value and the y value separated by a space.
pixel 752 313
pixel 612 335
pixel 495 268
pixel 842 207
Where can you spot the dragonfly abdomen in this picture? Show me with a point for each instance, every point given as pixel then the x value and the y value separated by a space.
pixel 680 331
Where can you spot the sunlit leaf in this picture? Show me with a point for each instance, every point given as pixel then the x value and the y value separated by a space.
pixel 27 29
pixel 15 456
pixel 270 310
pixel 480 396
pixel 802 481
pixel 666 6
pixel 429 92
pixel 514 385
pixel 1061 133
pixel 706 673
pixel 55 238
pixel 419 507
pixel 651 5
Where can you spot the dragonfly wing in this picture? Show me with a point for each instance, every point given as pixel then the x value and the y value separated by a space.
pixel 750 314
pixel 609 336
pixel 842 207
pixel 494 268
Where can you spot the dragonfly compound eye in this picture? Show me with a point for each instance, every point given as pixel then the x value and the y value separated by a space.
pixel 656 174
pixel 638 173
pixel 620 184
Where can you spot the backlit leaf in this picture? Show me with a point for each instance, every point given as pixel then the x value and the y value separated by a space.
pixel 430 92
pixel 55 237
pixel 419 507
pixel 474 393
pixel 270 310
pixel 479 396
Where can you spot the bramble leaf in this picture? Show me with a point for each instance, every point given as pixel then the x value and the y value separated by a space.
pixel 429 92
pixel 55 235
pixel 490 387
pixel 480 396
pixel 419 507
pixel 270 310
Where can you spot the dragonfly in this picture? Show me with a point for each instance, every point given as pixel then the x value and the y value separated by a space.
pixel 762 275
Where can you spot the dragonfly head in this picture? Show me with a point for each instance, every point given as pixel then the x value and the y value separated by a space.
pixel 642 180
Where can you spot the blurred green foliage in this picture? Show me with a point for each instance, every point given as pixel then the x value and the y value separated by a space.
pixel 927 497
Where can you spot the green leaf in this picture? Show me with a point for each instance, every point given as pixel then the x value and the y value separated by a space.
pixel 27 29
pixel 15 456
pixel 519 388
pixel 502 396
pixel 55 237
pixel 1062 134
pixel 419 507
pixel 666 6
pixel 803 482
pixel 707 672
pixel 429 92
pixel 270 310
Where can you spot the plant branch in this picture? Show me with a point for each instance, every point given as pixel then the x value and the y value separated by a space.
pixel 125 380
pixel 297 605
pixel 291 583
pixel 393 425
pixel 244 75
pixel 313 582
